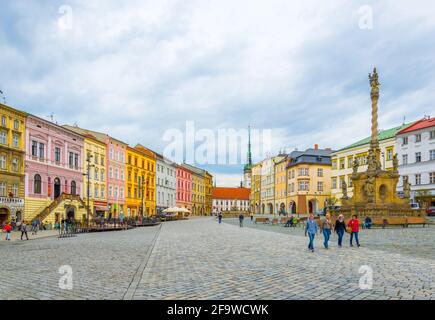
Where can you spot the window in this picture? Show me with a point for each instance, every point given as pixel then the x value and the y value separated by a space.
pixel 102 175
pixel 41 150
pixel 320 172
pixel 389 154
pixel 349 162
pixel 405 141
pixel 15 141
pixel 417 179
pixel 110 172
pixel 3 162
pixel 432 134
pixel 334 164
pixel 342 166
pixel 96 193
pixel 431 154
pixel 57 155
pixel 15 164
pixel 418 157
pixel 37 184
pixel 404 159
pixel 2 189
pixel 122 192
pixel 15 190
pixel 96 158
pixel 418 137
pixel 2 137
pixel 34 149
pixel 432 177
pixel 3 121
pixel 334 183
pixel 102 160
pixel 319 186
pixel 110 191
pixel 73 188
pixel 111 153
pixel 76 160
pixel 16 125
pixel 102 192
pixel 71 159
pixel 303 186
pixel 116 192
pixel 96 174
pixel 116 173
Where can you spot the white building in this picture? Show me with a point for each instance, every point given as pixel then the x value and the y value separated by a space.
pixel 226 199
pixel 416 155
pixel 165 183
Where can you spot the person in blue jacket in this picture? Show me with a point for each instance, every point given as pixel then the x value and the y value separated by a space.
pixel 311 228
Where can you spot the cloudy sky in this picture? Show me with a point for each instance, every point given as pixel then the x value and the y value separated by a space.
pixel 136 69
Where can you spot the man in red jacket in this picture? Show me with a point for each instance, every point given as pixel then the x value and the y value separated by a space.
pixel 354 225
pixel 8 228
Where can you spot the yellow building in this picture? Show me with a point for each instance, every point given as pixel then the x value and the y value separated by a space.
pixel 342 160
pixel 140 182
pixel 208 186
pixel 95 151
pixel 281 185
pixel 12 150
pixel 308 180
pixel 255 196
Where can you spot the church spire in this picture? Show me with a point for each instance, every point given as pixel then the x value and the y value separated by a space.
pixel 249 147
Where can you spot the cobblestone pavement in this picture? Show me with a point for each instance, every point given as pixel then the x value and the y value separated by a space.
pixel 103 265
pixel 412 241
pixel 16 235
pixel 200 259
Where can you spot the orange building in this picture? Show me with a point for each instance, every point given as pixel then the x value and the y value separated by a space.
pixel 226 199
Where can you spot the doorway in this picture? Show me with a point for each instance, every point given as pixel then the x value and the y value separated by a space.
pixel 56 188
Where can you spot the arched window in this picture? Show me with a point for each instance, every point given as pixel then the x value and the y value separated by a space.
pixel 37 184
pixel 73 188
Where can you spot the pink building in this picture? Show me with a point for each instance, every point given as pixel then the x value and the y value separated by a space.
pixel 184 188
pixel 116 176
pixel 53 163
pixel 115 173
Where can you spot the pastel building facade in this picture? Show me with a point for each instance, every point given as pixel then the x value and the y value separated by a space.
pixel 184 188
pixel 166 183
pixel 12 150
pixel 53 176
pixel 415 147
pixel 230 199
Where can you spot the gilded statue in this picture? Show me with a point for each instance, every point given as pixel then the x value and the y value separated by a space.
pixel 344 190
pixel 395 163
pixel 374 81
pixel 355 165
pixel 370 188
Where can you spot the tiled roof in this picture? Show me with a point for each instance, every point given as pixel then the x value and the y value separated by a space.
pixel 231 193
pixel 418 125
pixel 382 135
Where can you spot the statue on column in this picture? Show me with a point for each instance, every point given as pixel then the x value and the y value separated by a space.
pixel 406 187
pixel 395 163
pixel 355 165
pixel 370 188
pixel 344 190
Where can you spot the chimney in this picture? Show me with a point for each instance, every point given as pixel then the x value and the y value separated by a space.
pixel 316 146
pixel 241 184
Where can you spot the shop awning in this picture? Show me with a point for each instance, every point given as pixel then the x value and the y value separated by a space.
pixel 100 208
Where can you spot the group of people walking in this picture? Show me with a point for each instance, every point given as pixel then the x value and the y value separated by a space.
pixel 327 227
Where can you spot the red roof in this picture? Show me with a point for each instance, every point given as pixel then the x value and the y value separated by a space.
pixel 420 124
pixel 231 193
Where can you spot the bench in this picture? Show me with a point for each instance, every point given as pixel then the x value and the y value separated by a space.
pixel 275 221
pixel 391 221
pixel 416 221
pixel 263 220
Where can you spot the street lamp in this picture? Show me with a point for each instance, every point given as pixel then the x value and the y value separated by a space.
pixel 88 174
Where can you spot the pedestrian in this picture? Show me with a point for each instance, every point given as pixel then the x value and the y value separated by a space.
pixel 7 228
pixel 241 218
pixel 34 227
pixel 326 228
pixel 311 228
pixel 252 217
pixel 354 225
pixel 340 228
pixel 220 217
pixel 367 223
pixel 23 229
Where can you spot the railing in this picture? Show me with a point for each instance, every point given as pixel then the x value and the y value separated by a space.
pixel 53 205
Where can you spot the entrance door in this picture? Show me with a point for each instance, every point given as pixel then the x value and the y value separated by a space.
pixel 4 215
pixel 56 188
pixel 310 207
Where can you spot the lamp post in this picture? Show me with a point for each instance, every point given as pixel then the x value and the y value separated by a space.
pixel 88 160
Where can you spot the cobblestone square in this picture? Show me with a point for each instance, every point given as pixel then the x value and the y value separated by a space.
pixel 200 259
